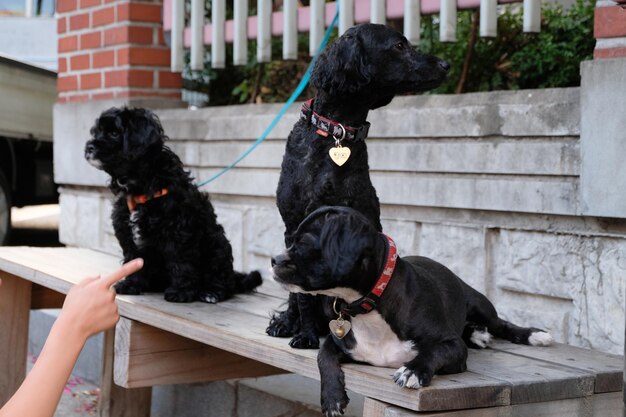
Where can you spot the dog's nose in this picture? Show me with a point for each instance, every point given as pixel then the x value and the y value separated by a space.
pixel 280 259
pixel 444 65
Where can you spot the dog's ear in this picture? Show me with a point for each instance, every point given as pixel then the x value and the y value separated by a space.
pixel 343 68
pixel 344 239
pixel 147 129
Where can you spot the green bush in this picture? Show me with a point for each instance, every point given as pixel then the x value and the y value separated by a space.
pixel 512 60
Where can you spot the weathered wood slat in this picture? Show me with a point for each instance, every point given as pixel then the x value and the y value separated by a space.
pixel 608 369
pixel 599 405
pixel 14 315
pixel 531 380
pixel 147 356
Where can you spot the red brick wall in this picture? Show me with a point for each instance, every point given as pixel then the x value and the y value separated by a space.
pixel 113 49
pixel 610 32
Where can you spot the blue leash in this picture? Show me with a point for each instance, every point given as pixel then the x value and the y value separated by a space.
pixel 301 86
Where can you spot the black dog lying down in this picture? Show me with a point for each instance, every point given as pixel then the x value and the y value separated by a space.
pixel 160 215
pixel 325 161
pixel 412 313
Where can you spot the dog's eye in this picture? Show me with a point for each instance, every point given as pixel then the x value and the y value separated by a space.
pixel 399 46
pixel 114 134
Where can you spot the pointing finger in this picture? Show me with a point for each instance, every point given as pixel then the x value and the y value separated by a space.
pixel 126 269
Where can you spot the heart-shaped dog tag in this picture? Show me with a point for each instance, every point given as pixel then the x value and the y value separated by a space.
pixel 339 155
pixel 339 327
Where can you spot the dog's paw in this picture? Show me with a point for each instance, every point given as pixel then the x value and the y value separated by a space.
pixel 212 297
pixel 305 341
pixel 128 287
pixel 333 405
pixel 408 378
pixel 540 338
pixel 279 326
pixel 176 295
pixel 480 338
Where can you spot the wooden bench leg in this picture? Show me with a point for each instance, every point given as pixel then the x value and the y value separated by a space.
pixel 14 315
pixel 116 401
pixel 373 408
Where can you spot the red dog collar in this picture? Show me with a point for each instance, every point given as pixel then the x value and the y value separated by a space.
pixel 133 200
pixel 368 303
pixel 326 127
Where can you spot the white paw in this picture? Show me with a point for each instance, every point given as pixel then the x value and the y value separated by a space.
pixel 540 339
pixel 209 298
pixel 481 338
pixel 406 378
pixel 335 411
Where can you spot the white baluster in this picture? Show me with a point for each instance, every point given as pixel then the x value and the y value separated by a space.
pixel 532 15
pixel 488 18
pixel 264 31
pixel 218 44
pixel 346 15
pixel 447 21
pixel 240 43
pixel 412 19
pixel 378 11
pixel 290 29
pixel 197 35
pixel 178 23
pixel 317 9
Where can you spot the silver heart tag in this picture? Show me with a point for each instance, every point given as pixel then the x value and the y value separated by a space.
pixel 340 328
pixel 339 155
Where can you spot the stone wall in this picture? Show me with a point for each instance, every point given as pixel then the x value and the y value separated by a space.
pixel 488 184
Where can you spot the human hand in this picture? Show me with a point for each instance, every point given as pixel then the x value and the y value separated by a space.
pixel 90 306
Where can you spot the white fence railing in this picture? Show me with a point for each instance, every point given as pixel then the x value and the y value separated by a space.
pixel 313 19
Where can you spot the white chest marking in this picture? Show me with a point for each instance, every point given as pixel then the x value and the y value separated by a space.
pixel 377 344
pixel 134 226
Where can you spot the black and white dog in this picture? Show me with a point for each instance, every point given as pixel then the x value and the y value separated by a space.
pixel 410 313
pixel 160 215
pixel 325 161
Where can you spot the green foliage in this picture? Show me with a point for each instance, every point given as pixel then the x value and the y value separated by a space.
pixel 512 60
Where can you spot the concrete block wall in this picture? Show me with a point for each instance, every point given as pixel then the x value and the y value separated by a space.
pixel 488 184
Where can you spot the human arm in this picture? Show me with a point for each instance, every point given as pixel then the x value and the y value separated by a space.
pixel 89 308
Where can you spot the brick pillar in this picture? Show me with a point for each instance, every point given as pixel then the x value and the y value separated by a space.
pixel 113 50
pixel 610 30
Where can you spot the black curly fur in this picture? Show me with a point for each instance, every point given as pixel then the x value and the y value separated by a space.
pixel 186 254
pixel 362 70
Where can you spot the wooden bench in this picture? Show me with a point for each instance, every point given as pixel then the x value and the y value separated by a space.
pixel 164 343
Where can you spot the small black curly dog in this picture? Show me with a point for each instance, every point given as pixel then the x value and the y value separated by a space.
pixel 325 161
pixel 160 215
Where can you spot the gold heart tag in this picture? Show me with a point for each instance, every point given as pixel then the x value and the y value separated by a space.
pixel 339 154
pixel 340 328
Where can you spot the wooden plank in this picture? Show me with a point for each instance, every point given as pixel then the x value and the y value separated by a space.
pixel 607 368
pixel 42 297
pixel 447 392
pixel 14 310
pixel 116 401
pixel 531 380
pixel 598 405
pixel 146 356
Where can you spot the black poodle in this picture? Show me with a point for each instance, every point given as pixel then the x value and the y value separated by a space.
pixel 325 161
pixel 160 215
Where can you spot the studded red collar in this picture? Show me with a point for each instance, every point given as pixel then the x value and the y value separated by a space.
pixel 327 127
